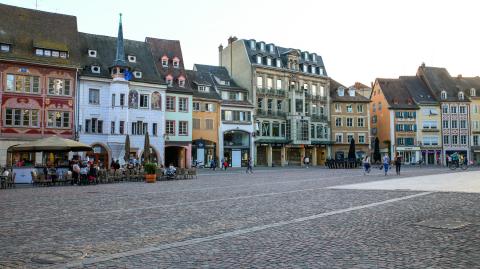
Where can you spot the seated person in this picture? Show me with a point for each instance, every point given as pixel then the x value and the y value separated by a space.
pixel 171 170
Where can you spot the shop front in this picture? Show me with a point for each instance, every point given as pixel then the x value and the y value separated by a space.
pixel 294 155
pixel 262 154
pixel 99 155
pixel 236 148
pixel 204 151
pixel 462 154
pixel 476 154
pixel 409 155
pixel 431 156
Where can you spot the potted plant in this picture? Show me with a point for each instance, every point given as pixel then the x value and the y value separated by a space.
pixel 150 176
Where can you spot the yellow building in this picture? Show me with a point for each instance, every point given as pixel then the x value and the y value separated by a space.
pixel 205 118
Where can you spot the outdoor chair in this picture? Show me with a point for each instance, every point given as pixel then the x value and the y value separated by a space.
pixel 181 173
pixel 191 173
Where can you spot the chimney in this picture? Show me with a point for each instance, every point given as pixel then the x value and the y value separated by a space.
pixel 459 76
pixel 220 49
pixel 232 39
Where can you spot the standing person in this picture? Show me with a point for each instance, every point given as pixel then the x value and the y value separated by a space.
pixel 386 163
pixel 366 164
pixel 398 163
pixel 306 161
pixel 222 162
pixel 112 164
pixel 75 172
pixel 225 164
pixel 249 166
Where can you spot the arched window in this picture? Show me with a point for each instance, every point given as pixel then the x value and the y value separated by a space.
pixel 133 99
pixel 473 92
pixel 156 101
pixel 165 61
pixel 461 96
pixel 444 95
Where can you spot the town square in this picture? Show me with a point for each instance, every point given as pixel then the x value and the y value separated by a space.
pixel 239 134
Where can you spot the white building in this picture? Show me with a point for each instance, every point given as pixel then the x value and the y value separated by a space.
pixel 120 93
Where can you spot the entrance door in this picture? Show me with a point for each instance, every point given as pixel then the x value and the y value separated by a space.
pixel 431 158
pixel 236 158
pixel 201 156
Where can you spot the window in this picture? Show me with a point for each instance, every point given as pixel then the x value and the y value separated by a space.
pixel 252 44
pixel 132 58
pixel 4 47
pixel 359 108
pixel 463 124
pixel 94 96
pixel 445 109
pixel 445 124
pixel 58 119
pixel 196 106
pixel 170 103
pixel 361 139
pixel 446 139
pixel 52 53
pixel 349 122
pixel 137 74
pixel 463 139
pixel 58 86
pixel 269 61
pixel 340 91
pixel 209 124
pixel 475 109
pixel 95 126
pixel 374 119
pixel 351 92
pixel 279 84
pixel 112 127
pixel 349 138
pixel 169 80
pixel 462 109
pixel 299 105
pixel 379 106
pixel 400 141
pixel 181 82
pixel 302 130
pixel 210 107
pixel 122 127
pixel 360 122
pixel 113 100
pixel 338 122
pixel 122 99
pixel 443 95
pixel 473 92
pixel 21 117
pixel 461 96
pixel 454 139
pixel 338 108
pixel 196 123
pixel 165 61
pixel 339 138
pixel 154 129
pixel 259 59
pixel 279 105
pixel 23 84
pixel 276 129
pixel 259 82
pixel 322 91
pixel 262 46
pixel 454 124
pixel 312 131
pixel 266 128
pixel 182 104
pixel 305 68
pixel 475 140
pixel 269 83
pixel 176 62
pixel 143 100
pixel 203 88
pixel 139 128
pixel 279 63
pixel 319 131
pixel 374 108
pixel 314 69
pixel 349 108
pixel 183 128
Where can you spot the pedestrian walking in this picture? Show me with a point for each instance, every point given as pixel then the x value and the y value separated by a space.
pixel 225 164
pixel 249 166
pixel 398 163
pixel 212 164
pixel 366 165
pixel 386 163
pixel 222 162
pixel 306 161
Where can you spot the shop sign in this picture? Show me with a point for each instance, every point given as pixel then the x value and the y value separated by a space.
pixel 408 148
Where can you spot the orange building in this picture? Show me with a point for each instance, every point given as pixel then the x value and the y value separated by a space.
pixel 205 118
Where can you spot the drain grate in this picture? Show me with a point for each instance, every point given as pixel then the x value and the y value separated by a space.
pixel 449 224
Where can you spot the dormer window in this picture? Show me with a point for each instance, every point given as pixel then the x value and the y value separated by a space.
pixel 181 81
pixel 132 58
pixel 176 62
pixel 169 80
pixel 259 59
pixel 473 92
pixel 252 44
pixel 203 88
pixel 92 53
pixel 137 74
pixel 443 95
pixel 305 68
pixel 461 96
pixel 271 48
pixel 262 46
pixel 165 61
pixel 320 70
pixel 4 47
pixel 314 57
pixel 95 69
pixel 269 61
pixel 51 53
pixel 351 92
pixel 341 91
pixel 305 55
pixel 279 63
pixel 314 69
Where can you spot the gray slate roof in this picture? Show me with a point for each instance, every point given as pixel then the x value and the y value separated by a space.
pixel 334 85
pixel 197 78
pixel 281 52
pixel 396 93
pixel 24 29
pixel 418 90
pixel 438 79
pixel 106 53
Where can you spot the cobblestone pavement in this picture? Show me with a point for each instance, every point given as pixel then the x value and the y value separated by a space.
pixel 274 218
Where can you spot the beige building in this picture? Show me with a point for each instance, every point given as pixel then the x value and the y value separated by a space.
pixel 289 89
pixel 350 115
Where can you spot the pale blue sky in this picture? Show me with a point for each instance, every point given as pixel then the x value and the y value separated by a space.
pixel 358 40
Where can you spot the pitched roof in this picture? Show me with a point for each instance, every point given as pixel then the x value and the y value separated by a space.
pixel 438 79
pixel 334 85
pixel 396 93
pixel 197 78
pixel 418 90
pixel 359 85
pixel 281 53
pixel 467 83
pixel 106 55
pixel 24 29
pixel 171 49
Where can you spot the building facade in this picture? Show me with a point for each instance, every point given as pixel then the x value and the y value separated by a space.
pixel 350 120
pixel 206 117
pixel 168 58
pixel 38 67
pixel 120 93
pixel 289 90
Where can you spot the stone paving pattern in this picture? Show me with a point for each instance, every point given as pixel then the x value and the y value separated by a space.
pixel 124 225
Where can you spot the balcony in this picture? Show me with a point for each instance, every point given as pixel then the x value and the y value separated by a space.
pixel 270 113
pixel 430 129
pixel 319 118
pixel 271 92
pixel 309 96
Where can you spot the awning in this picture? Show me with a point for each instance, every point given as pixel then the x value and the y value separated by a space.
pixel 272 141
pixel 52 143
pixel 322 143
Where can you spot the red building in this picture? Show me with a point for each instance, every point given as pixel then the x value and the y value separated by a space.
pixel 39 58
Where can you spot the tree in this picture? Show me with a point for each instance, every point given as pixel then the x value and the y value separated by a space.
pixel 376 153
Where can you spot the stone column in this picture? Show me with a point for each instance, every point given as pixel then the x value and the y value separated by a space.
pixel 269 156
pixel 314 157
pixel 283 156
pixel 302 155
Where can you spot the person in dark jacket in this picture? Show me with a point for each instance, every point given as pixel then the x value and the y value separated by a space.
pixel 398 163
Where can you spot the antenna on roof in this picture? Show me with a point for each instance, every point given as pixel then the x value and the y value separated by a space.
pixel 36 4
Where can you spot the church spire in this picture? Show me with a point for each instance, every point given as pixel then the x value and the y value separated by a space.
pixel 120 55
